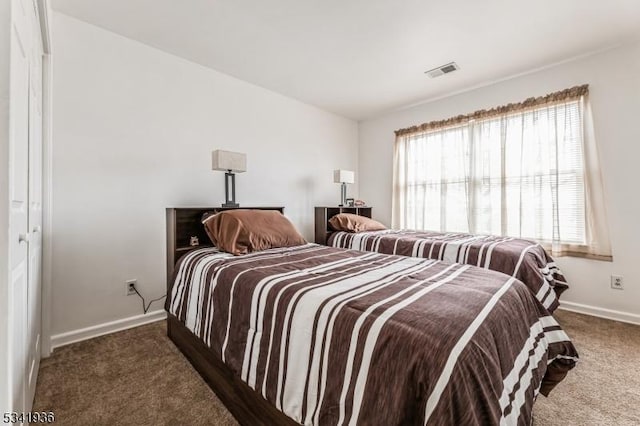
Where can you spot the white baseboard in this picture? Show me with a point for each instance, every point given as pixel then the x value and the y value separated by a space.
pixel 74 336
pixel 600 312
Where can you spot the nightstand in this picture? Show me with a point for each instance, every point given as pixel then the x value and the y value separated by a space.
pixel 323 214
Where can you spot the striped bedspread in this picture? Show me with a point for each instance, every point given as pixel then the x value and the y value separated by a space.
pixel 333 336
pixel 523 259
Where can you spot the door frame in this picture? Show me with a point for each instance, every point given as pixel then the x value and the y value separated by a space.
pixel 44 14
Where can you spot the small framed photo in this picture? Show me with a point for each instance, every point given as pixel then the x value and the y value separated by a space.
pixel 350 202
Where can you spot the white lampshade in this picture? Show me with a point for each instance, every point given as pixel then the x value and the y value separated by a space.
pixel 343 176
pixel 227 160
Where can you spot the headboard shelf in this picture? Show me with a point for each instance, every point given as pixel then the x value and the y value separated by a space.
pixel 188 248
pixel 183 223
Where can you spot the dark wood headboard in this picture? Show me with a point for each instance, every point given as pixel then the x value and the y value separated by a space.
pixel 323 214
pixel 186 222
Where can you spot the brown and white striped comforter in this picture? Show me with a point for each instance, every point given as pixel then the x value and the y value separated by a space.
pixel 333 336
pixel 526 260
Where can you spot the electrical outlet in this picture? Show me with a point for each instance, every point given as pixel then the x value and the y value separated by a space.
pixel 617 282
pixel 129 287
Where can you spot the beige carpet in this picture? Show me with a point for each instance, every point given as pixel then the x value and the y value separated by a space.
pixel 604 388
pixel 137 377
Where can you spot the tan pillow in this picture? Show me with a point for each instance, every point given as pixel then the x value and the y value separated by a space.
pixel 353 223
pixel 246 231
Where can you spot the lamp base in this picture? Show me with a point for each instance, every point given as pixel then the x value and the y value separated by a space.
pixel 230 191
pixel 343 195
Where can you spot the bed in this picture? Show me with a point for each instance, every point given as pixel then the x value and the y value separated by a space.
pixel 523 259
pixel 318 335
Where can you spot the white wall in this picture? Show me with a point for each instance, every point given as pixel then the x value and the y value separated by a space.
pixel 5 37
pixel 614 78
pixel 133 132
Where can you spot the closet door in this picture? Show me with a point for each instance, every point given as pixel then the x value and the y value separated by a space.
pixel 34 291
pixel 25 219
pixel 18 202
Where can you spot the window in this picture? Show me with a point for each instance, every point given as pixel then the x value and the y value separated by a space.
pixel 515 171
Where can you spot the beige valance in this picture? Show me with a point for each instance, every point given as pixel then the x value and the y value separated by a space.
pixel 564 95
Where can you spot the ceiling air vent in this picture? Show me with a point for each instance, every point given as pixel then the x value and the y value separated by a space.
pixel 442 70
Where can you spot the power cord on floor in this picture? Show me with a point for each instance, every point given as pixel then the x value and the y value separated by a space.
pixel 146 308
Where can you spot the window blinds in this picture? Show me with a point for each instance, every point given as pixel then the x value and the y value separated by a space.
pixel 518 171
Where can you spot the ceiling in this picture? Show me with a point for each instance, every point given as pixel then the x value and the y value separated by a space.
pixel 360 58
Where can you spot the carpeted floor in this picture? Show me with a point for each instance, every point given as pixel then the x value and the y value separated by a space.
pixel 134 377
pixel 604 388
pixel 137 377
